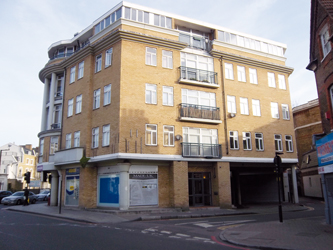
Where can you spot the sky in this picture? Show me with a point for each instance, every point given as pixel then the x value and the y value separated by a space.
pixel 29 27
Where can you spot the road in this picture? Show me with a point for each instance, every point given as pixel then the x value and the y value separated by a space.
pixel 19 230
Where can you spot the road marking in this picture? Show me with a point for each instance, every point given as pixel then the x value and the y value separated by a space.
pixel 183 235
pixel 166 232
pixel 223 244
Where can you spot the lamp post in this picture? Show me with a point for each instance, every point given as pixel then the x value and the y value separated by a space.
pixel 277 163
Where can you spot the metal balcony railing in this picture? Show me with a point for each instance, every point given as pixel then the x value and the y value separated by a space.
pixel 55 125
pixel 201 150
pixel 199 111
pixel 198 75
pixel 193 41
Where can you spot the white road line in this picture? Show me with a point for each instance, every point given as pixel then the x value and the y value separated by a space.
pixel 183 235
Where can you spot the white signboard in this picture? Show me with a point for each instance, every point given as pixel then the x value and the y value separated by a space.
pixel 143 189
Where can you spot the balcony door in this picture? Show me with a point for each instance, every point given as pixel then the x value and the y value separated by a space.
pixel 199 189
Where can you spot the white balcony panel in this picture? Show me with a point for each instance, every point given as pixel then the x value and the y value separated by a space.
pixel 68 156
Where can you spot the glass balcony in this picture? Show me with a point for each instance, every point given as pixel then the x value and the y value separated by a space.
pixel 201 150
pixel 198 75
pixel 199 111
pixel 193 41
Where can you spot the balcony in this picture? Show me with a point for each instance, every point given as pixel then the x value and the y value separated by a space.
pixel 198 77
pixel 197 42
pixel 58 95
pixel 199 113
pixel 202 150
pixel 56 126
pixel 68 156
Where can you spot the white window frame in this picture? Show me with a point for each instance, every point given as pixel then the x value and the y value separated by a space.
pixel 151 93
pixel 108 57
pixel 229 71
pixel 244 105
pixel 196 97
pixel 78 107
pixel 256 107
pixel 151 56
pixel 70 107
pixel 68 140
pixel 278 142
pixel 168 136
pixel 97 96
pixel 107 95
pixel 54 144
pixel 76 139
pixel 167 59
pixel 72 75
pixel 259 140
pixel 285 111
pixel 151 134
pixel 106 135
pixel 231 100
pixel 275 110
pixel 241 73
pixel 247 144
pixel 233 140
pixel 271 79
pixel 95 137
pixel 98 63
pixel 41 147
pixel 253 76
pixel 167 96
pixel 282 82
pixel 325 42
pixel 289 143
pixel 81 70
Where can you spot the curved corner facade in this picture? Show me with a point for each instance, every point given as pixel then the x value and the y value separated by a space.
pixel 146 108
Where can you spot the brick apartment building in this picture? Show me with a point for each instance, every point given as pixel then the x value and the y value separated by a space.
pixel 321 62
pixel 308 128
pixel 147 108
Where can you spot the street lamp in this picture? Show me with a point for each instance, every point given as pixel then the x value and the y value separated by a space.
pixel 277 163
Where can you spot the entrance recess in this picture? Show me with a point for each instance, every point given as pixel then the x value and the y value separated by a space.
pixel 199 187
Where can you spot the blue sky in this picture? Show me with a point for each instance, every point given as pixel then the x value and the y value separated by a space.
pixel 30 27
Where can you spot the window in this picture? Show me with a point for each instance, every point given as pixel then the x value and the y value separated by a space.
pixel 98 63
pixel 256 107
pixel 244 106
pixel 167 96
pixel 150 56
pixel 278 142
pixel 95 135
pixel 259 141
pixel 271 80
pixel 229 71
pixel 167 59
pixel 168 135
pixel 41 146
pixel 253 76
pixel 81 70
pixel 106 135
pixel 231 104
pixel 53 145
pixel 72 75
pixel 151 134
pixel 70 107
pixel 107 94
pixel 108 57
pixel 151 93
pixel 285 111
pixel 233 135
pixel 198 97
pixel 241 73
pixel 282 81
pixel 275 110
pixel 200 135
pixel 97 94
pixel 289 143
pixel 78 108
pixel 77 139
pixel 325 43
pixel 68 141
pixel 247 141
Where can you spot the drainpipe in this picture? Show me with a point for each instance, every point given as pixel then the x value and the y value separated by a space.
pixel 224 109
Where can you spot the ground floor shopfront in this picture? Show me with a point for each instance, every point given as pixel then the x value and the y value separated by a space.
pixel 178 184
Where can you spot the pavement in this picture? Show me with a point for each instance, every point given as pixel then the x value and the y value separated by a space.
pixel 299 234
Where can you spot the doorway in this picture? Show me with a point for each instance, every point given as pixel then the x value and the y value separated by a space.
pixel 199 187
